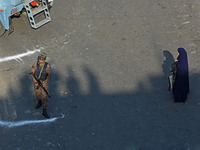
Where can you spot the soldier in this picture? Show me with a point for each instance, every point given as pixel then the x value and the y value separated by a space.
pixel 42 72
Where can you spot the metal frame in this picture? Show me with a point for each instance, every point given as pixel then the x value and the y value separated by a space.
pixel 11 7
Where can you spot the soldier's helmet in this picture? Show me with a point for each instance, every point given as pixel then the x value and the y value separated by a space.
pixel 42 56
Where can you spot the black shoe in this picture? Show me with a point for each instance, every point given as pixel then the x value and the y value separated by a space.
pixel 45 114
pixel 39 104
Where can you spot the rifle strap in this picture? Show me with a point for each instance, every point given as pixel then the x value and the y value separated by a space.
pixel 41 71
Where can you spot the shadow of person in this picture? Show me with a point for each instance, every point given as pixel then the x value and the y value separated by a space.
pixel 103 118
pixel 93 81
pixel 169 59
pixel 73 84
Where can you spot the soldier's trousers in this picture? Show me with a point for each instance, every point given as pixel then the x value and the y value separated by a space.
pixel 41 94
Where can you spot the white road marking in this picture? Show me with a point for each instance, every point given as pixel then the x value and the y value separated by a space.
pixel 19 56
pixel 187 22
pixel 11 124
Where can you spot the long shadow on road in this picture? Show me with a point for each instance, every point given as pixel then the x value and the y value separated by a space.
pixel 138 120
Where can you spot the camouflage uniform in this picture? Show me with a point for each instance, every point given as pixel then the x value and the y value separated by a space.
pixel 39 92
pixel 44 76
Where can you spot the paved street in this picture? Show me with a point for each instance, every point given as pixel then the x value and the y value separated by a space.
pixel 110 61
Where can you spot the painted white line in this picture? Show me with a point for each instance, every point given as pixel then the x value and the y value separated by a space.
pixel 187 22
pixel 10 124
pixel 19 56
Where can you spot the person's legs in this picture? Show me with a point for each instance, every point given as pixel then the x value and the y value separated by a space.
pixel 38 94
pixel 44 101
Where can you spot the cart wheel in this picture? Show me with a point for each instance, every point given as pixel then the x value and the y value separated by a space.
pixel 2 30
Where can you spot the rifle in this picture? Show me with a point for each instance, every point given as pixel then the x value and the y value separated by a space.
pixel 40 84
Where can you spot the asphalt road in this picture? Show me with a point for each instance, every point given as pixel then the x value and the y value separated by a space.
pixel 110 60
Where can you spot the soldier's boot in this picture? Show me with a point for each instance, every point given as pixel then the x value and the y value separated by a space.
pixel 39 104
pixel 45 114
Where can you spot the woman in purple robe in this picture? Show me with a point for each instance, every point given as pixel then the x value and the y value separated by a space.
pixel 181 84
